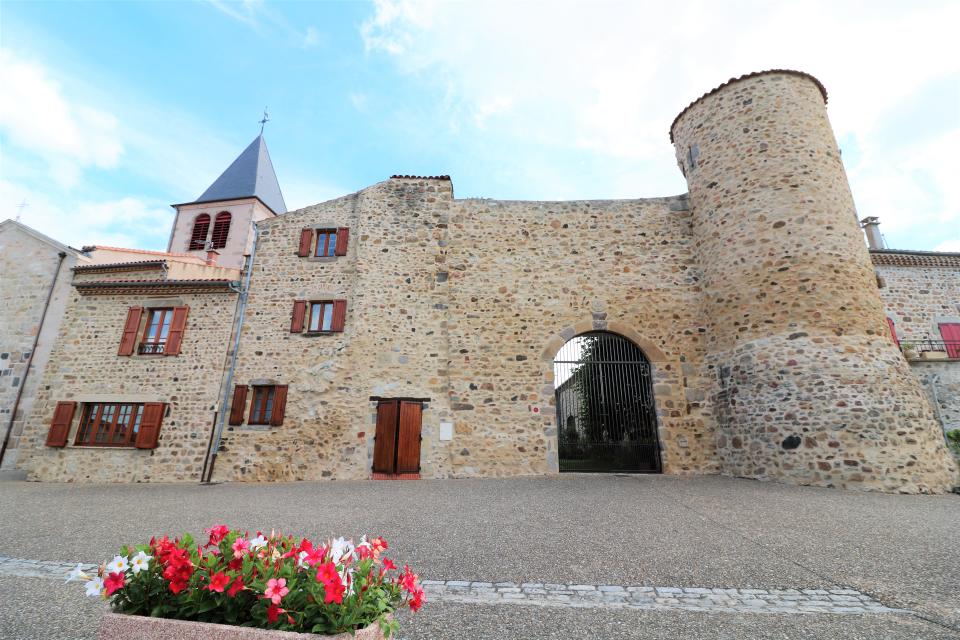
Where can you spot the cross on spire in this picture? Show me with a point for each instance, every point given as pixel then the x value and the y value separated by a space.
pixel 266 119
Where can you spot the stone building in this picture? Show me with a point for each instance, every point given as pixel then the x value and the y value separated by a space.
pixel 402 332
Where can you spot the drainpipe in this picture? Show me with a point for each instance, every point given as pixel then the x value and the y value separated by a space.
pixel 33 350
pixel 228 383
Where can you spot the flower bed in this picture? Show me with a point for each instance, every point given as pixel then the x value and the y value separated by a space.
pixel 271 582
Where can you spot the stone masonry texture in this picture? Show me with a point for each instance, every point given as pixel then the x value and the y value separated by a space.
pixel 811 389
pixel 753 298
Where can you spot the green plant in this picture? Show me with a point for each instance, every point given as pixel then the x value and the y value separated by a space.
pixel 953 437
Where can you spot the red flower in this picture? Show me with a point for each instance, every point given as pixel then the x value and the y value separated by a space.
pixel 236 564
pixel 417 600
pixel 378 544
pixel 332 584
pixel 365 552
pixel 388 564
pixel 236 587
pixel 114 582
pixel 177 586
pixel 218 582
pixel 217 533
pixel 408 580
pixel 273 612
pixel 327 572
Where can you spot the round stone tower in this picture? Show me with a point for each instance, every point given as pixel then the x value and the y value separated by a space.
pixel 810 387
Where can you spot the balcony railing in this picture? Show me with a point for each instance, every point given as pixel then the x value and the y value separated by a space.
pixel 931 349
pixel 151 348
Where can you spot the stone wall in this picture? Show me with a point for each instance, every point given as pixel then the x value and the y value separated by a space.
pixel 918 298
pixel 465 302
pixel 85 367
pixel 28 266
pixel 811 389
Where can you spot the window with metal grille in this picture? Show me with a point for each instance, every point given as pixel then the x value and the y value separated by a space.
pixel 221 229
pixel 321 316
pixel 109 424
pixel 201 225
pixel 261 409
pixel 326 243
pixel 156 332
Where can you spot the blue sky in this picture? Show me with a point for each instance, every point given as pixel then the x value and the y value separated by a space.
pixel 112 111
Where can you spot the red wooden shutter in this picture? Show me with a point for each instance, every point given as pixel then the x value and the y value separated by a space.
pixel 279 405
pixel 893 331
pixel 408 437
pixel 342 235
pixel 60 425
pixel 175 337
pixel 239 404
pixel 149 432
pixel 950 331
pixel 306 239
pixel 299 311
pixel 385 442
pixel 128 342
pixel 339 315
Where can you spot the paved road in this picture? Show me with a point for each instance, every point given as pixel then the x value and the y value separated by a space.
pixel 603 530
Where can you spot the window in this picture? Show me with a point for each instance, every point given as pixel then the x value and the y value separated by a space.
pixel 109 425
pixel 198 239
pixel 950 332
pixel 266 408
pixel 326 243
pixel 323 243
pixel 261 410
pixel 318 316
pixel 221 229
pixel 156 331
pixel 321 316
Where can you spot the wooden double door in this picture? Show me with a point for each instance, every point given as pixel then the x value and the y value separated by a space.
pixel 396 447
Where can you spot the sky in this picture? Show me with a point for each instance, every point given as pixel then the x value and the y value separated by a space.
pixel 111 111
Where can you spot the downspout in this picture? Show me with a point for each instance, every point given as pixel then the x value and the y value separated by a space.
pixel 33 350
pixel 228 382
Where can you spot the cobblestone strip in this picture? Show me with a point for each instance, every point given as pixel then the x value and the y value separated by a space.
pixel 835 600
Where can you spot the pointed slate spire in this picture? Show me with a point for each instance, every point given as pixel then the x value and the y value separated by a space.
pixel 251 174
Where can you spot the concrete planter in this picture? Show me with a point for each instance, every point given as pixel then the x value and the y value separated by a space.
pixel 116 626
pixel 933 355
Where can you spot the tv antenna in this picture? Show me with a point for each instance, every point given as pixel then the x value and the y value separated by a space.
pixel 20 207
pixel 266 119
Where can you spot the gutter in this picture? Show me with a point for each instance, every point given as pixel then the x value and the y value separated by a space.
pixel 217 435
pixel 33 350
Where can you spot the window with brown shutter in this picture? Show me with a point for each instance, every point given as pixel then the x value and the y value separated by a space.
pixel 339 315
pixel 326 244
pixel 239 404
pixel 261 407
pixel 321 316
pixel 306 240
pixel 323 243
pixel 60 424
pixel 177 326
pixel 128 340
pixel 279 405
pixel 299 311
pixel 109 424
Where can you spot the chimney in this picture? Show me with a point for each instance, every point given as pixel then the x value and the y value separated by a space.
pixel 212 257
pixel 871 227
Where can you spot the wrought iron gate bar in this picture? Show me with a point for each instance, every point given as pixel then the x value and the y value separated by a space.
pixel 606 417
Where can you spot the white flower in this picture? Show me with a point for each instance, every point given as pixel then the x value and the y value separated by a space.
pixel 117 565
pixel 77 573
pixel 258 543
pixel 95 586
pixel 301 558
pixel 140 562
pixel 340 548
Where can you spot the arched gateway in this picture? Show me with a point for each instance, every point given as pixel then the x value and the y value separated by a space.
pixel 606 417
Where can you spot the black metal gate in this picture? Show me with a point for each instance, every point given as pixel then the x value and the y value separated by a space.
pixel 606 418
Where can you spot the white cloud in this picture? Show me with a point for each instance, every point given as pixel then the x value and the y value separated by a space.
pixel 949 245
pixel 36 115
pixel 606 80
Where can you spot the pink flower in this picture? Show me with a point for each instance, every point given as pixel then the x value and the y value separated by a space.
pixel 240 547
pixel 276 589
pixel 332 584
pixel 218 582
pixel 114 582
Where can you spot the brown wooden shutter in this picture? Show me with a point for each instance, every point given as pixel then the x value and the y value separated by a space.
pixel 239 404
pixel 299 311
pixel 408 437
pixel 339 315
pixel 385 443
pixel 177 325
pixel 279 405
pixel 306 239
pixel 343 234
pixel 149 432
pixel 60 425
pixel 128 342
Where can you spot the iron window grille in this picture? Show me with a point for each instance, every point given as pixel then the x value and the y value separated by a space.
pixel 156 331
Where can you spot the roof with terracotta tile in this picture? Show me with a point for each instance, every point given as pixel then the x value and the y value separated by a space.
pixel 406 177
pixel 904 258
